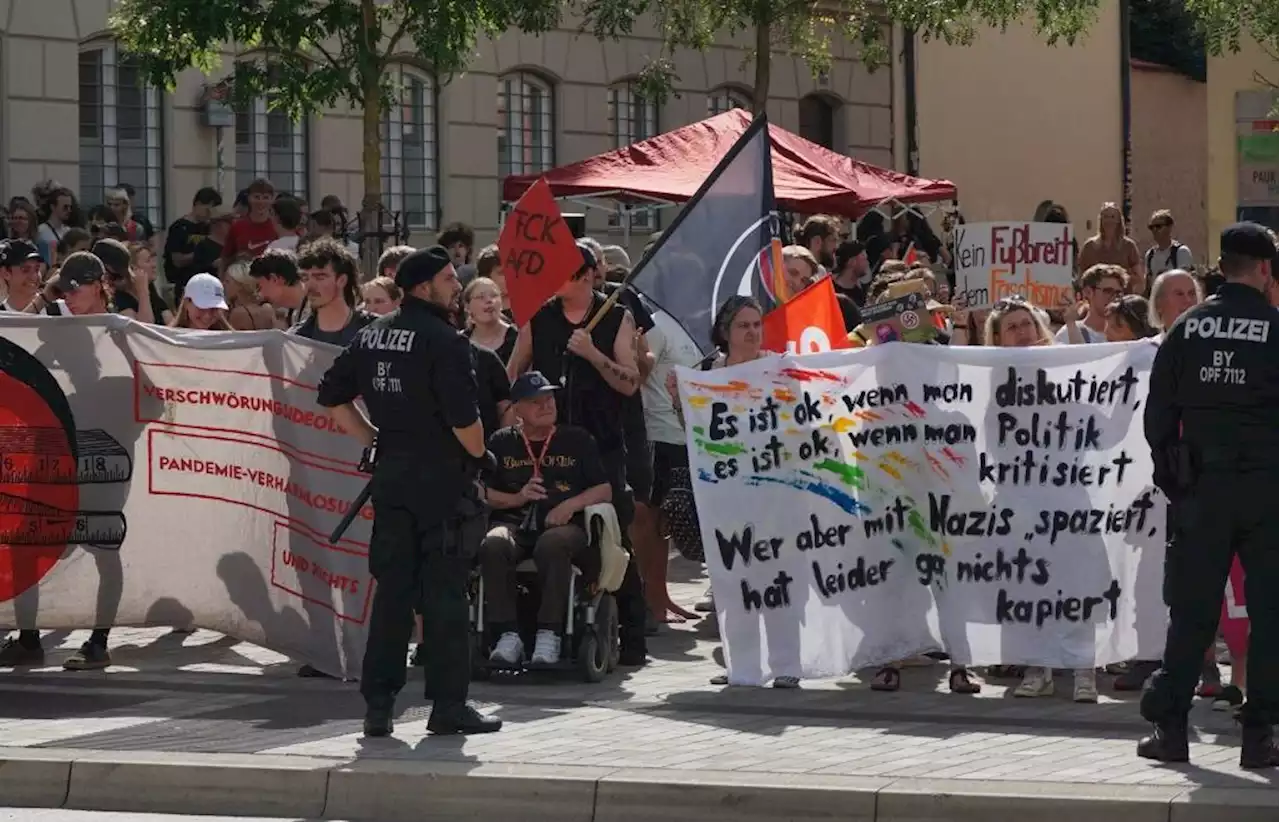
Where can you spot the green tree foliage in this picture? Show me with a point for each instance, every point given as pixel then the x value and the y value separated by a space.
pixel 306 55
pixel 1165 32
pixel 807 28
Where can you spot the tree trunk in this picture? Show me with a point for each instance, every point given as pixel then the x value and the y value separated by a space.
pixel 371 148
pixel 764 58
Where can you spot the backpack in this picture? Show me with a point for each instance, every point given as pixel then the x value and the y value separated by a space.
pixel 1174 248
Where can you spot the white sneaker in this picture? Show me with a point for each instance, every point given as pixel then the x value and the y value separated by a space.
pixel 546 648
pixel 1036 682
pixel 510 649
pixel 1085 688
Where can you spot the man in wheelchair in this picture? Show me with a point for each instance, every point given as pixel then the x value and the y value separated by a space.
pixel 547 476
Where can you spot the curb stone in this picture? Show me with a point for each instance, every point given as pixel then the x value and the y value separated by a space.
pixel 389 790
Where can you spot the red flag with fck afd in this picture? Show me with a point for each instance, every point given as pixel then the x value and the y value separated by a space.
pixel 807 323
pixel 538 252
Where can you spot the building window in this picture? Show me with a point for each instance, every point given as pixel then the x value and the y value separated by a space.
pixel 120 131
pixel 526 133
pixel 409 158
pixel 633 118
pixel 724 99
pixel 269 144
pixel 818 120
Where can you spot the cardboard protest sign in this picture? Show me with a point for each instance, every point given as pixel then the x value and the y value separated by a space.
pixel 904 317
pixel 1013 259
pixel 538 251
pixel 808 323
pixel 159 477
pixel 859 507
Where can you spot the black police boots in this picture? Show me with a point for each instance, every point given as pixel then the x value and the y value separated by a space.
pixel 1258 748
pixel 377 721
pixel 460 718
pixel 1167 743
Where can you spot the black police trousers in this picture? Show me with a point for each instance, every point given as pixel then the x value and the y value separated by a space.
pixel 1222 516
pixel 419 565
pixel 630 594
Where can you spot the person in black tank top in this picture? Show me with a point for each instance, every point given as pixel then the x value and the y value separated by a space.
pixel 596 370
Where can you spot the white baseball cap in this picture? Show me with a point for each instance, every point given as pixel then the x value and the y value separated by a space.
pixel 205 291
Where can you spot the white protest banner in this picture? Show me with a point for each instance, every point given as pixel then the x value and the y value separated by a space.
pixel 859 507
pixel 1013 259
pixel 159 477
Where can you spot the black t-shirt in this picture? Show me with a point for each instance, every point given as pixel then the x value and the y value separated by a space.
pixel 492 385
pixel 184 237
pixel 508 343
pixel 342 337
pixel 570 466
pixel 849 312
pixel 632 302
pixel 208 253
pixel 124 301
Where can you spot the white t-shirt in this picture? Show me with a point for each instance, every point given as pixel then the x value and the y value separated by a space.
pixel 288 243
pixel 1090 336
pixel 671 346
pixel 1159 260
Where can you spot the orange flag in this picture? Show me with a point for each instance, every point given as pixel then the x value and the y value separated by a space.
pixel 807 323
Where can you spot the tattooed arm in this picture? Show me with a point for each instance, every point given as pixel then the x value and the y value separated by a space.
pixel 621 372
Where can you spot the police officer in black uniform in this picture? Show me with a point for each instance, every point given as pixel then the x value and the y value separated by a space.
pixel 1210 420
pixel 414 370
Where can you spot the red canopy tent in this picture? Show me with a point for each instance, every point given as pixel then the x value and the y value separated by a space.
pixel 669 168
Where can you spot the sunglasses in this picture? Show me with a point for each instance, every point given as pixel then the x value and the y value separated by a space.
pixel 1154 226
pixel 1005 303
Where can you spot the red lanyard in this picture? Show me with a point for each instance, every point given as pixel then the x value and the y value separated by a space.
pixel 528 447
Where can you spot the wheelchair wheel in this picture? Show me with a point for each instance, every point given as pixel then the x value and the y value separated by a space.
pixel 598 649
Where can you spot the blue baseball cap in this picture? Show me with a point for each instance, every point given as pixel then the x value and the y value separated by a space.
pixel 531 384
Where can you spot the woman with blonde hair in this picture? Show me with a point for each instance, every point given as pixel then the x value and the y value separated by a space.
pixel 1113 246
pixel 142 259
pixel 204 305
pixel 246 311
pixel 482 301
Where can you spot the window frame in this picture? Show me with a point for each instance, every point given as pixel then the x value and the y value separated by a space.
pixel 299 178
pixel 734 95
pixel 623 93
pixel 393 160
pixel 513 123
pixel 108 142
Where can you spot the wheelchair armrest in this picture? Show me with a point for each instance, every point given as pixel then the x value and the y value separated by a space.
pixel 605 536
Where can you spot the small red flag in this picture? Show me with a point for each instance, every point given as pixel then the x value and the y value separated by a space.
pixel 538 251
pixel 807 323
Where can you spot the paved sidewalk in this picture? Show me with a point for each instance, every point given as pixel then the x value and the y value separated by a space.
pixel 210 700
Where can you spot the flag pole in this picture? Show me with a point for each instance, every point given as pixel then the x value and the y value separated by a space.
pixel 760 121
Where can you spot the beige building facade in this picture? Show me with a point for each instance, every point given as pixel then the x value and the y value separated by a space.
pixel 1013 121
pixel 73 109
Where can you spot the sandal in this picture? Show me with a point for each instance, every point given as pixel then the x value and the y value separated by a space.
pixel 960 683
pixel 887 679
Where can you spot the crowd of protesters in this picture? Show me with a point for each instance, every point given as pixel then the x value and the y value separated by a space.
pixel 272 262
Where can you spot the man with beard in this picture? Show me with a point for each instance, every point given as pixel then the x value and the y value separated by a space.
pixel 413 369
pixel 821 234
pixel 330 275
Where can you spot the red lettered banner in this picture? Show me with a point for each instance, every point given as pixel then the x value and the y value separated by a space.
pixel 538 251
pixel 807 323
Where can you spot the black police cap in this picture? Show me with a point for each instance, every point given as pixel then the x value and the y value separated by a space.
pixel 422 266
pixel 1247 240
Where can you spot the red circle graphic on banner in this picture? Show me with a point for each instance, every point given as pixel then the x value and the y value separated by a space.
pixel 38 491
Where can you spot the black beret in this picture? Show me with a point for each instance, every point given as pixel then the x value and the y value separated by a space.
pixel 422 266
pixel 1247 240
